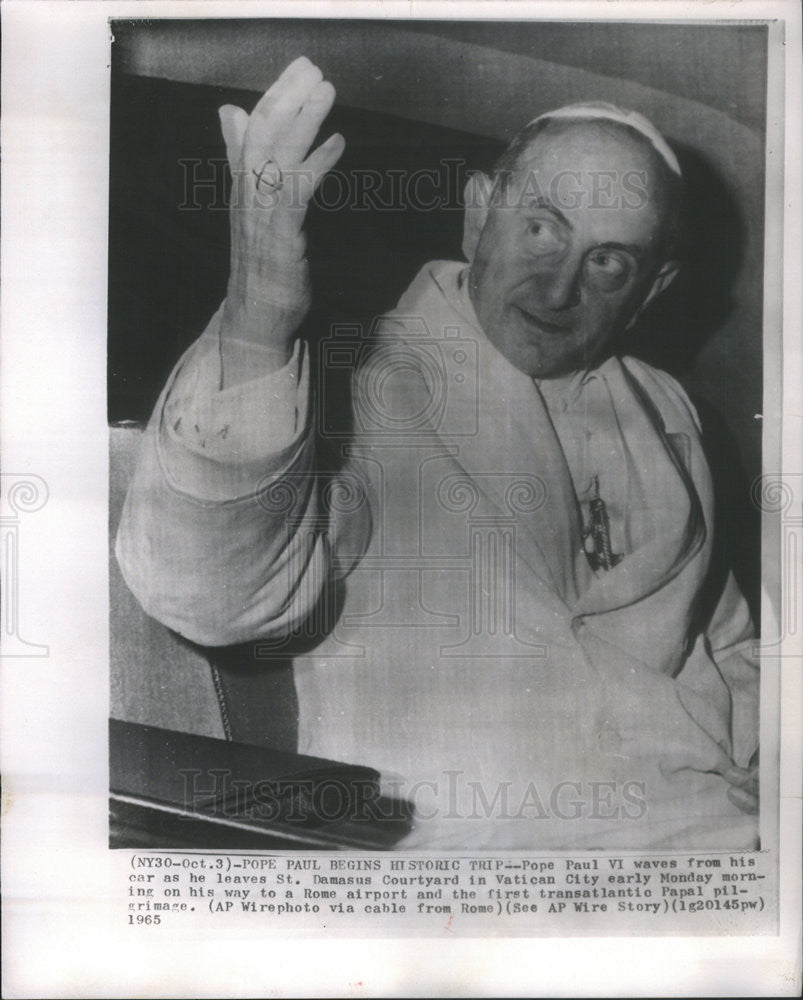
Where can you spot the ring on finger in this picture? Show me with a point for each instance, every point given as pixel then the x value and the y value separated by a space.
pixel 269 175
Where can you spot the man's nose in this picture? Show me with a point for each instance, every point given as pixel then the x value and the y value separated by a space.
pixel 561 285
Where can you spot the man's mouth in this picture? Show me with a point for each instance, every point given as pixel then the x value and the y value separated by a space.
pixel 542 324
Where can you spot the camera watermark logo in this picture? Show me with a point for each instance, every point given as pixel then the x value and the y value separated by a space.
pixel 443 551
pixel 305 508
pixel 409 381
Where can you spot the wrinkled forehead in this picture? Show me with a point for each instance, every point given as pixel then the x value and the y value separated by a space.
pixel 599 169
pixel 592 153
pixel 590 145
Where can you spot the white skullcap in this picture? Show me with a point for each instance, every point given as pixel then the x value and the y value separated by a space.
pixel 610 112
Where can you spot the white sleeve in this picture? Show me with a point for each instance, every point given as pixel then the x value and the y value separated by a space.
pixel 219 537
pixel 217 444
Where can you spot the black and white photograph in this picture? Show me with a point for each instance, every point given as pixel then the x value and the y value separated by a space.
pixel 401 498
pixel 440 350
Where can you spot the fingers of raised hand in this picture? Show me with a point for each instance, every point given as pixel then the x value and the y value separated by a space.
pixel 233 123
pixel 318 164
pixel 293 144
pixel 276 114
pixel 269 148
pixel 301 183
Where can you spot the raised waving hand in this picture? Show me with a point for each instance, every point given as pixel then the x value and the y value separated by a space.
pixel 274 177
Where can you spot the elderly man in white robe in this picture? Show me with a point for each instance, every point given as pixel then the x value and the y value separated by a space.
pixel 513 555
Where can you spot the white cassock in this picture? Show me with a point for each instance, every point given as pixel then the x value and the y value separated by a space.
pixel 520 698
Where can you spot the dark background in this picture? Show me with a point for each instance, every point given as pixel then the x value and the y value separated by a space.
pixel 410 96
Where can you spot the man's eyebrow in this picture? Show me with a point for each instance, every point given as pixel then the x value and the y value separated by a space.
pixel 632 248
pixel 539 201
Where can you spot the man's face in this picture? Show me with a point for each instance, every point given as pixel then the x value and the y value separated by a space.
pixel 569 248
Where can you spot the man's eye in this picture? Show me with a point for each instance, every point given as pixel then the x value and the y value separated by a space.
pixel 607 271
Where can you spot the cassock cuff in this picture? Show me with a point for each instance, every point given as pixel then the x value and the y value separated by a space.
pixel 220 444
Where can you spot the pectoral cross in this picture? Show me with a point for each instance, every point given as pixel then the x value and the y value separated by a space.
pixel 597 534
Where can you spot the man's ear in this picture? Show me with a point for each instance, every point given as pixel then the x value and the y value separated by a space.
pixel 477 196
pixel 663 279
